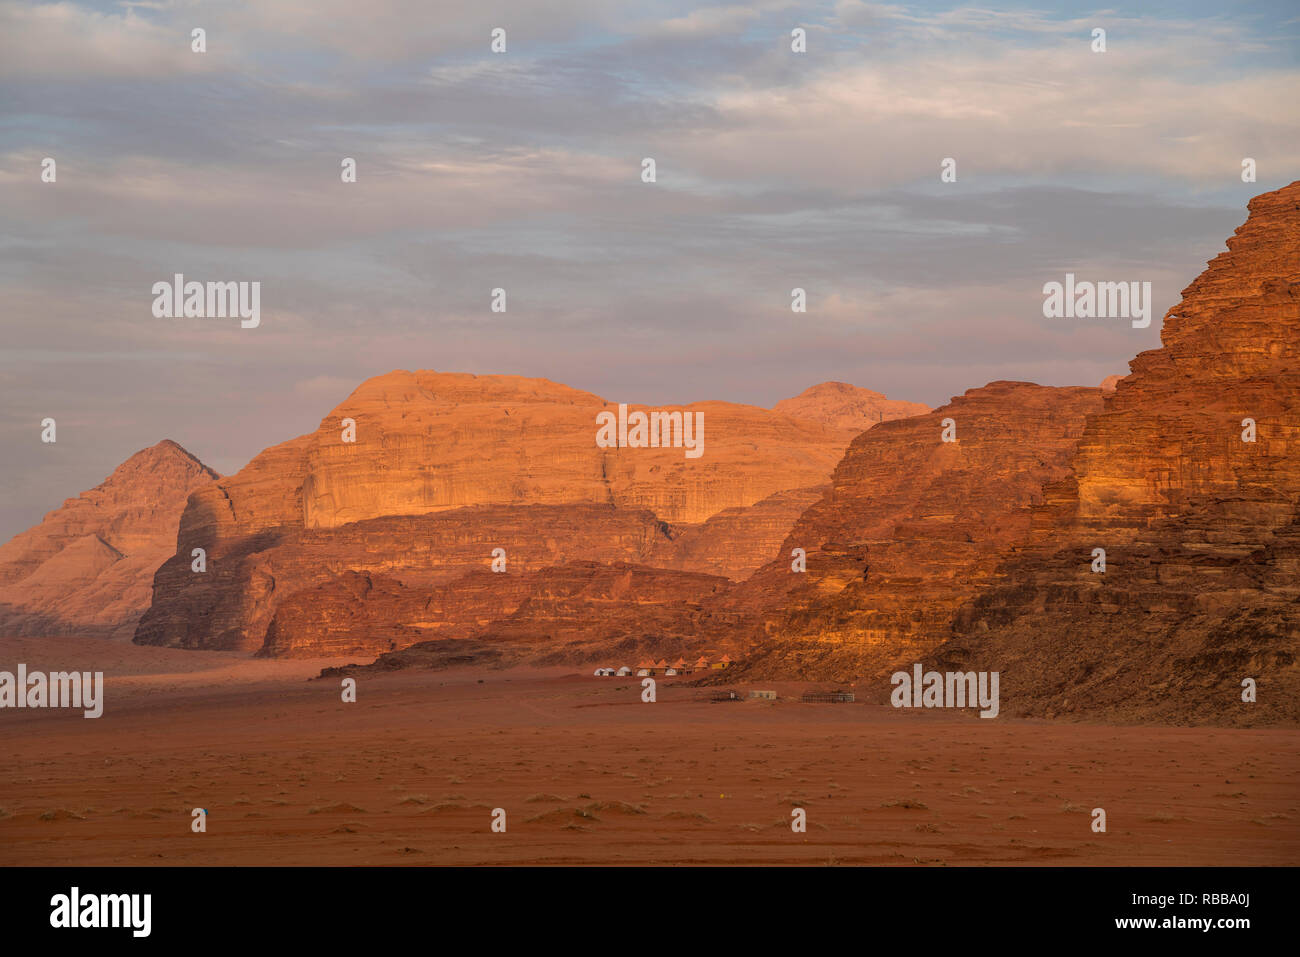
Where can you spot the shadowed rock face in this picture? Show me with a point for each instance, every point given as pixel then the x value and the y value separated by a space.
pixel 1200 529
pixel 87 568
pixel 444 469
pixel 910 527
pixel 567 613
pixel 233 604
pixel 735 541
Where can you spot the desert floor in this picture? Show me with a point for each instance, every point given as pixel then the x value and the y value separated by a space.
pixel 588 774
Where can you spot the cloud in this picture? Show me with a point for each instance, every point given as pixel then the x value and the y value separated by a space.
pixel 60 41
pixel 1052 112
pixel 521 171
pixel 703 22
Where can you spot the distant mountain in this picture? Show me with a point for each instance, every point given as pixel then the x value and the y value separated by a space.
pixel 321 544
pixel 87 568
pixel 843 406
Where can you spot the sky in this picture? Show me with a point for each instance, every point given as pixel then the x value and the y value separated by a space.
pixel 522 170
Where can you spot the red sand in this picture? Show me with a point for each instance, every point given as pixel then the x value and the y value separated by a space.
pixel 589 774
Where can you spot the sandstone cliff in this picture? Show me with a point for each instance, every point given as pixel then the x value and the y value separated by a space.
pixel 909 527
pixel 87 568
pixel 444 469
pixel 1200 528
pixel 570 613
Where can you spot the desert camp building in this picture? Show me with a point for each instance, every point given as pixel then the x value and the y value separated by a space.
pixel 680 667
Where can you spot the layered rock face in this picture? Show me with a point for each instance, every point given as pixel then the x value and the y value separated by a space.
pixel 233 605
pixel 573 613
pixel 429 442
pixel 87 568
pixel 444 469
pixel 910 527
pixel 1198 526
pixel 735 540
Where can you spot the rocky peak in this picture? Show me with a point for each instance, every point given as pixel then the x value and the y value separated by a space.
pixel 87 568
pixel 843 406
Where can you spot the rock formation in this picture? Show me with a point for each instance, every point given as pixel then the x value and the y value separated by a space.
pixel 444 469
pixel 1200 528
pixel 910 526
pixel 87 569
pixel 843 406
pixel 736 540
pixel 571 613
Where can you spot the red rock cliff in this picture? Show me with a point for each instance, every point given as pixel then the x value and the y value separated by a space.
pixel 910 526
pixel 1201 529
pixel 447 467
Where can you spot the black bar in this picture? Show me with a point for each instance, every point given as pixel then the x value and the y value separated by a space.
pixel 921 907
